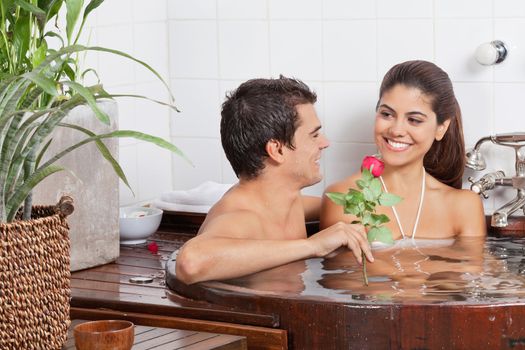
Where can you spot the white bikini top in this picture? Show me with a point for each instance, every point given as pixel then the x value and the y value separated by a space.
pixel 421 198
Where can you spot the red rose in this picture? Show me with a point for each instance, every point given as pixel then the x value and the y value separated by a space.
pixel 153 247
pixel 373 164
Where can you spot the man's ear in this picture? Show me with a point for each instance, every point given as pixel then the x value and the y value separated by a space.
pixel 442 130
pixel 274 149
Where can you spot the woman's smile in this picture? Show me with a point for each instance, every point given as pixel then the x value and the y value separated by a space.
pixel 397 146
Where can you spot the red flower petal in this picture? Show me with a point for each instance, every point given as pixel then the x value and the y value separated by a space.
pixel 373 164
pixel 153 247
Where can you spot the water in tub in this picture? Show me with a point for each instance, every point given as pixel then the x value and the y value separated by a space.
pixel 421 270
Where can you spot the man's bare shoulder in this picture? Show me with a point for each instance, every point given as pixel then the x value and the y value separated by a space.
pixel 232 216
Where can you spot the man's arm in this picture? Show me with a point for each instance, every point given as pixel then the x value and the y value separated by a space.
pixel 223 251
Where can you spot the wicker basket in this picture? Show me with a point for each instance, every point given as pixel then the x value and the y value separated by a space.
pixel 35 280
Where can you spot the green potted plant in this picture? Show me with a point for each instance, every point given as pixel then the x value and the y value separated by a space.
pixel 39 86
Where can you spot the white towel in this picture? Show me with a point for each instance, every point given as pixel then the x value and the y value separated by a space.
pixel 197 200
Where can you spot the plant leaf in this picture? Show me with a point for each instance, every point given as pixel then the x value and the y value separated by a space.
pixel 337 198
pixel 375 187
pixel 21 35
pixel 21 193
pixel 30 8
pixel 48 85
pixel 369 195
pixel 380 234
pixel 73 12
pixel 53 8
pixel 361 183
pixel 90 99
pixel 352 209
pixel 378 219
pixel 389 199
pixel 366 218
pixel 366 175
pixel 40 54
pixel 55 35
pixel 93 4
pixel 104 151
pixel 121 133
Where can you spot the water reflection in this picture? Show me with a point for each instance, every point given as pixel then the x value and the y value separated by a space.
pixel 286 279
pixel 465 270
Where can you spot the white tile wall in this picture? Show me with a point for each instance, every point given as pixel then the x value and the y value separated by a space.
pixel 295 49
pixel 182 9
pixel 113 69
pixel 456 41
pixel 463 8
pixel 193 49
pixel 511 31
pixel 509 8
pixel 349 50
pixel 340 47
pixel 242 9
pixel 349 9
pixel 151 46
pixel 400 40
pixel 477 109
pixel 114 12
pixel 199 106
pixel 205 154
pixel 404 9
pixel 349 109
pixel 243 49
pixel 295 9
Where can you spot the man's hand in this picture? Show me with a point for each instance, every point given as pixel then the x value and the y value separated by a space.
pixel 342 235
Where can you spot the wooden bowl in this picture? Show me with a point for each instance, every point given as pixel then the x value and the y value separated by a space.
pixel 104 335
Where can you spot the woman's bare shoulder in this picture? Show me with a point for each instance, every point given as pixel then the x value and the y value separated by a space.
pixel 465 210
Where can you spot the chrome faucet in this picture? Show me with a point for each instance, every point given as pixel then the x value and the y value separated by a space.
pixel 489 181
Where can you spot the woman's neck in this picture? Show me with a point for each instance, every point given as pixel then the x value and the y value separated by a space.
pixel 403 178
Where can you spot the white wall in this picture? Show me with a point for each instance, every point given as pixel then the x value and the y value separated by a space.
pixel 342 48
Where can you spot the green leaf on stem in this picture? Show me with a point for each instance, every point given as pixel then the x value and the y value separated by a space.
pixel 389 199
pixel 378 219
pixel 74 7
pixel 367 176
pixel 367 219
pixel 370 206
pixel 375 187
pixel 380 234
pixel 337 198
pixel 369 195
pixel 351 208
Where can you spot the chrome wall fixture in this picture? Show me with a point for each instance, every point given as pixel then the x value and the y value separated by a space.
pixel 475 160
pixel 491 53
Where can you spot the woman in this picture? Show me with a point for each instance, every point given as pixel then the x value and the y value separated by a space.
pixel 419 135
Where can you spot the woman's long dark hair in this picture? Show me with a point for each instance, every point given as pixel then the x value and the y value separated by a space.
pixel 446 158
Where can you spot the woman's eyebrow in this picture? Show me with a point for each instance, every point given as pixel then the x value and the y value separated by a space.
pixel 417 113
pixel 384 105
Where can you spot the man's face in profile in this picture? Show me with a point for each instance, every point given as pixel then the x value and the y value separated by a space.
pixel 309 142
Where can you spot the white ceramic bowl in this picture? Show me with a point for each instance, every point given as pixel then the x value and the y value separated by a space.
pixel 138 223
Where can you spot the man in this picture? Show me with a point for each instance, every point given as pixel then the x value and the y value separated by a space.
pixel 271 135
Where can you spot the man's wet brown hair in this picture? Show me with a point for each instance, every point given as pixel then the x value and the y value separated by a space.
pixel 258 111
